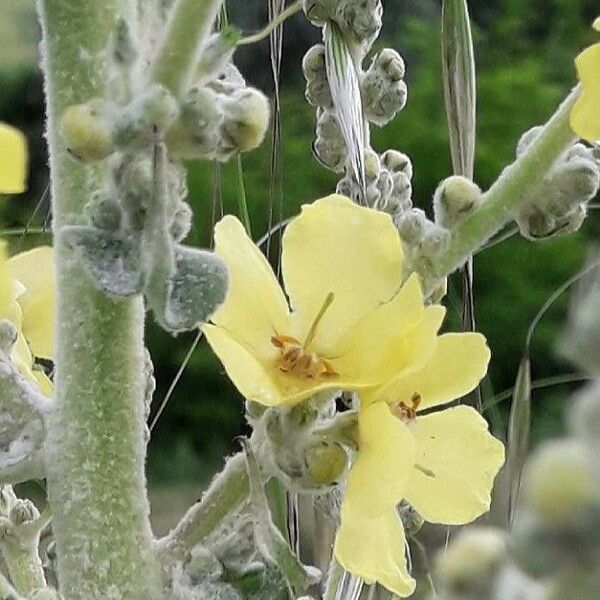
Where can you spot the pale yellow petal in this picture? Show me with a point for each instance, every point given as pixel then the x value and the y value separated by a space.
pixel 255 308
pixel 35 271
pixel 374 549
pixel 456 462
pixel 13 160
pixel 585 115
pixel 335 246
pixel 251 378
pixel 458 363
pixel 395 338
pixel 370 542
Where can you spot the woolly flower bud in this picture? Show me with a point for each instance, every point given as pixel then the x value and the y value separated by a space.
pixel 397 162
pixel 247 115
pixel 454 199
pixel 326 462
pixel 318 11
pixel 527 139
pixel 87 131
pixel 558 482
pixel 216 53
pixel 412 225
pixel 360 19
pixel 384 92
pixel 472 561
pixel 103 211
pixel 317 87
pixel 412 521
pixel 329 147
pixel 584 416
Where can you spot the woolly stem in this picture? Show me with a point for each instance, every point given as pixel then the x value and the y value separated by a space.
pixel 189 25
pixel 24 566
pixel 96 437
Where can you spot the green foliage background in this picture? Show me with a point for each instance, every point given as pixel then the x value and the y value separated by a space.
pixel 525 51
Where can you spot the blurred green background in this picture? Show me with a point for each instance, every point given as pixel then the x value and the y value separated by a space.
pixel 525 51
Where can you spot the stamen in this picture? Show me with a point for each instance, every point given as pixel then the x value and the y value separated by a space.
pixel 313 328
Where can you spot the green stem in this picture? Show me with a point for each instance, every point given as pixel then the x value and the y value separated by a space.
pixel 334 578
pixel 189 25
pixel 228 491
pixel 24 566
pixel 510 190
pixel 241 196
pixel 7 591
pixel 291 10
pixel 96 437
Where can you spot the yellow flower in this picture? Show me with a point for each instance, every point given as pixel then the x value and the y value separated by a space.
pixel 443 462
pixel 13 160
pixel 351 324
pixel 27 300
pixel 585 115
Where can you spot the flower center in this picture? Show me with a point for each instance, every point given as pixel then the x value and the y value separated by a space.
pixel 407 413
pixel 295 358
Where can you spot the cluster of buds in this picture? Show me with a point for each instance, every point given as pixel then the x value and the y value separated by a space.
pixel 559 204
pixel 382 91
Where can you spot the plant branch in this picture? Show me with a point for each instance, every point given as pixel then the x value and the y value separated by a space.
pixel 24 566
pixel 264 33
pixel 227 492
pixel 189 25
pixel 511 189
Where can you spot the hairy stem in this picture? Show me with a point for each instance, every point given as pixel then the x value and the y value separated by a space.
pixel 96 437
pixel 189 25
pixel 507 194
pixel 225 494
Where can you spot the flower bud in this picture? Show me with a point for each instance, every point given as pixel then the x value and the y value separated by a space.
pixel 472 561
pixel 411 519
pixel 384 92
pixel 454 199
pixel 216 53
pixel 154 110
pixel 247 115
pixel 103 211
pixel 317 87
pixel 528 138
pixel 397 161
pixel 584 415
pixel 87 131
pixel 558 482
pixel 329 147
pixel 181 221
pixel 318 11
pixel 326 462
pixel 203 564
pixel 360 19
pixel 412 225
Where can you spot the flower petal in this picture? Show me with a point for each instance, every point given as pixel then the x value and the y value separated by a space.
pixel 456 462
pixel 370 542
pixel 249 376
pixel 255 308
pixel 35 271
pixel 455 368
pixel 585 114
pixel 335 246
pixel 13 160
pixel 395 338
pixel 374 549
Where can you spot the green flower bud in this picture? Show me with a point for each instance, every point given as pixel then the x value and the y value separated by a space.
pixel 384 92
pixel 472 562
pixel 326 462
pixel 103 211
pixel 317 91
pixel 155 110
pixel 559 482
pixel 247 115
pixel 455 198
pixel 396 162
pixel 87 131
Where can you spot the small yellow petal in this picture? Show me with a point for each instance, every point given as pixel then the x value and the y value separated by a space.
pixel 335 246
pixel 35 271
pixel 13 160
pixel 370 542
pixel 457 364
pixel 585 115
pixel 255 308
pixel 456 462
